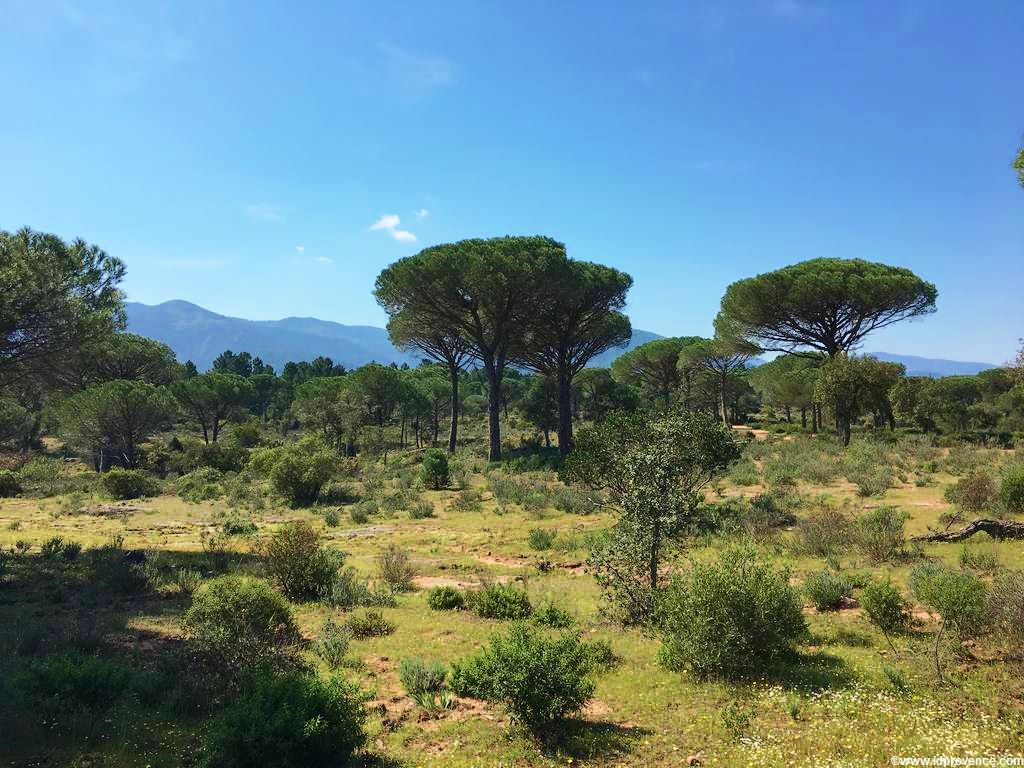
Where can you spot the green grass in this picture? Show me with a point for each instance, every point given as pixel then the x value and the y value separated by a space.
pixel 847 710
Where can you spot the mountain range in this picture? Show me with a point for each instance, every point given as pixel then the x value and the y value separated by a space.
pixel 200 335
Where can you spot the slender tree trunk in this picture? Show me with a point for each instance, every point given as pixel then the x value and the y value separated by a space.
pixel 803 418
pixel 493 413
pixel 564 413
pixel 401 436
pixel 453 433
pixel 721 403
pixel 547 437
pixel 789 415
pixel 842 421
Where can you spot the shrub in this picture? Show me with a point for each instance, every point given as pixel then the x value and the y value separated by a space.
pixel 238 527
pixel 83 681
pixel 369 624
pixel 550 615
pixel 871 481
pixel 201 484
pixel 500 601
pixel 421 510
pixel 602 655
pixel 331 518
pixel 827 589
pixel 418 676
pixel 332 645
pixel 540 679
pixel 541 539
pixel 730 617
pixel 240 621
pixel 1011 490
pixel 434 470
pixel 300 471
pixel 980 558
pixel 445 598
pixel 396 568
pixel 958 597
pixel 288 721
pixel 823 532
pixel 299 563
pixel 745 472
pixel 360 513
pixel 571 501
pixel 879 533
pixel 187 580
pixel 1006 602
pixel 885 606
pixel 129 483
pixel 768 511
pixel 51 548
pixel 71 551
pixel 10 484
pixel 972 493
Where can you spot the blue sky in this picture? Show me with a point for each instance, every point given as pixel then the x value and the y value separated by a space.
pixel 268 159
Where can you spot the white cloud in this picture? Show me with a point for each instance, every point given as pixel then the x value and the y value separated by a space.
pixel 324 260
pixel 300 248
pixel 422 213
pixel 389 223
pixel 267 212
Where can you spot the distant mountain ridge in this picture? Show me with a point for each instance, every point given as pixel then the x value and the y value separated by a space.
pixel 199 335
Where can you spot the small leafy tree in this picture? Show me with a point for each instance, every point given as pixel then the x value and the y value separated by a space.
pixel 653 469
pixel 210 398
pixel 886 608
pixel 434 470
pixel 299 563
pixel 959 597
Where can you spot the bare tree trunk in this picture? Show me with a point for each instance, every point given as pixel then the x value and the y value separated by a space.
pixel 493 413
pixel 453 433
pixel 564 414
pixel 997 529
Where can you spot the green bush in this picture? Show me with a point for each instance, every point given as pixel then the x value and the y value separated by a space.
pixel 88 682
pixel 540 679
pixel 879 533
pixel 500 601
pixel 421 510
pixel 571 501
pixel 541 539
pixel 972 493
pixel 71 551
pixel 885 606
pixel 959 597
pixel 202 484
pixel 288 721
pixel 240 622
pixel 445 598
pixel 827 589
pixel 360 513
pixel 1011 490
pixel 51 548
pixel 299 563
pixel 235 526
pixel 729 618
pixel 396 569
pixel 10 484
pixel 981 558
pixel 1006 606
pixel 332 645
pixel 122 483
pixel 298 472
pixel 550 615
pixel 434 470
pixel 823 532
pixel 369 624
pixel 602 655
pixel 417 676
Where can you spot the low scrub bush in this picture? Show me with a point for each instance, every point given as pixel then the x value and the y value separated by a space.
pixel 122 483
pixel 201 484
pixel 959 597
pixel 549 614
pixel 879 533
pixel 885 606
pixel 360 513
pixel 10 484
pixel 396 569
pixel 981 558
pixel 423 681
pixel 824 531
pixel 288 720
pixel 369 624
pixel 51 548
pixel 541 539
pixel 744 473
pixel 973 493
pixel 827 589
pixel 77 680
pixel 540 679
pixel 434 470
pixel 446 598
pixel 571 501
pixel 301 471
pixel 421 510
pixel 333 643
pixel 299 563
pixel 240 622
pixel 236 526
pixel 500 601
pixel 1006 607
pixel 730 617
pixel 1011 490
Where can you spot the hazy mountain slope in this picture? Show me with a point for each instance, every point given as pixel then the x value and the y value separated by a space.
pixel 200 335
pixel 928 366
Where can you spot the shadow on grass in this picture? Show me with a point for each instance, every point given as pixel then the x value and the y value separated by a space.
pixel 814 671
pixel 594 740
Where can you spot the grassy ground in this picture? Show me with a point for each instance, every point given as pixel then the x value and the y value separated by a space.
pixel 850 701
